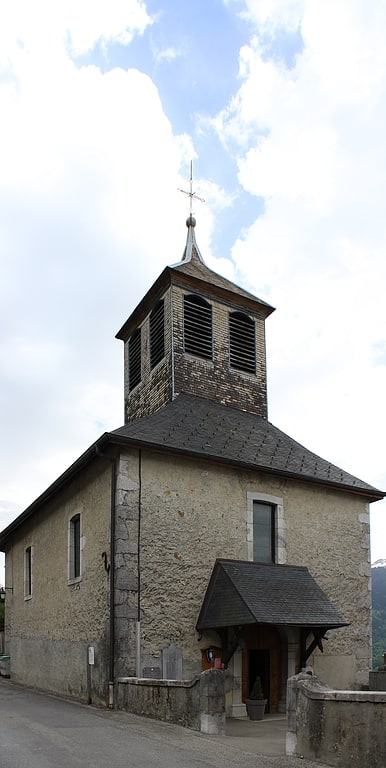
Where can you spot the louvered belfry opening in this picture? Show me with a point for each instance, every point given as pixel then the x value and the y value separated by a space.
pixel 157 334
pixel 134 359
pixel 198 331
pixel 242 342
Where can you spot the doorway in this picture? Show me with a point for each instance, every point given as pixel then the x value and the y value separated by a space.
pixel 258 665
pixel 262 656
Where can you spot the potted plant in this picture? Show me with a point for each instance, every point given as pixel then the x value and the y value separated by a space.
pixel 256 702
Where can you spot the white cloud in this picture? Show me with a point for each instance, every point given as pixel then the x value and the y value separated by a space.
pixel 44 28
pixel 166 54
pixel 310 140
pixel 89 216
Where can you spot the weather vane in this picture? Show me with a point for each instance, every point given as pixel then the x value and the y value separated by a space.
pixel 191 194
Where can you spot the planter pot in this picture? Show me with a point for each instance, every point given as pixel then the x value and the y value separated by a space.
pixel 255 708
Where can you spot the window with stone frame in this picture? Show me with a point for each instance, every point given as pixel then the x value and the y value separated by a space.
pixel 157 334
pixel 135 359
pixel 264 532
pixel 28 573
pixel 242 342
pixel 74 549
pixel 198 327
pixel 266 527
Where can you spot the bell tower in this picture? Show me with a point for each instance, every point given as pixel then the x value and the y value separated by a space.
pixel 197 333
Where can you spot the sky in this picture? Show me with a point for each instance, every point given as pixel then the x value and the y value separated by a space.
pixel 281 105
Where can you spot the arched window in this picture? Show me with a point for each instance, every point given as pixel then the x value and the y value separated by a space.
pixel 157 335
pixel 242 344
pixel 198 333
pixel 134 359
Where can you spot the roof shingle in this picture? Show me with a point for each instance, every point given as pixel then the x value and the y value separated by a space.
pixel 243 592
pixel 198 426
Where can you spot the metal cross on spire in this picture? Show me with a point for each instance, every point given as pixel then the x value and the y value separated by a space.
pixel 191 194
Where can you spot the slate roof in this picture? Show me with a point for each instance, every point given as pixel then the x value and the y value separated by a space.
pixel 199 427
pixel 193 265
pixel 192 274
pixel 243 592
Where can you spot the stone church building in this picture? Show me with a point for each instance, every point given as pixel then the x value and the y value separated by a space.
pixel 198 533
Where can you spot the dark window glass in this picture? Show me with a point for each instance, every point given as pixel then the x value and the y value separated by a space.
pixel 263 532
pixel 198 327
pixel 135 359
pixel 28 572
pixel 157 335
pixel 75 547
pixel 242 344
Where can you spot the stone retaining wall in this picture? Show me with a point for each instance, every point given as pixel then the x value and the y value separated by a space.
pixel 338 728
pixel 197 703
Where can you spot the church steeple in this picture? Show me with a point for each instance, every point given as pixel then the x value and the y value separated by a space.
pixel 191 250
pixel 197 333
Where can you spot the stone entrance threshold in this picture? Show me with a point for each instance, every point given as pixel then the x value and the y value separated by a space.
pixel 264 737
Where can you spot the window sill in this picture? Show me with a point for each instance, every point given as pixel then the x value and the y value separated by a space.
pixel 77 580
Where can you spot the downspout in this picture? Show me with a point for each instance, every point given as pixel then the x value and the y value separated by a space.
pixel 138 628
pixel 113 463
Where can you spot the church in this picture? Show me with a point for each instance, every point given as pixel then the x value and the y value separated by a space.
pixel 197 534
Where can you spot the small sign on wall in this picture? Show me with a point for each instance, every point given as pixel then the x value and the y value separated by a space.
pixel 91 655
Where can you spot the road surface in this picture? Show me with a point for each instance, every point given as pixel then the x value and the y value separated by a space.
pixel 40 731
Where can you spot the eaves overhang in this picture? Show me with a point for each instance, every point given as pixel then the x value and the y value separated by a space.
pixel 231 295
pixel 242 592
pixel 96 449
pixel 111 440
pixel 370 494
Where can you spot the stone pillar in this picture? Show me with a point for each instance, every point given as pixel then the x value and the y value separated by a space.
pixel 238 709
pixel 212 701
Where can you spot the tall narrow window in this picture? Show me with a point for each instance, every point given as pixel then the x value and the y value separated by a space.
pixel 157 335
pixel 242 344
pixel 74 548
pixel 28 572
pixel 263 532
pixel 198 333
pixel 135 359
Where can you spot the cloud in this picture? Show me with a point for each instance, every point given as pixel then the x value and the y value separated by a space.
pixel 309 139
pixel 166 54
pixel 89 216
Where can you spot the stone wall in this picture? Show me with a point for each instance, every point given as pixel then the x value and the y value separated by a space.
pixel 155 387
pixel 193 512
pixel 214 379
pixel 337 728
pixel 178 372
pixel 198 703
pixel 49 631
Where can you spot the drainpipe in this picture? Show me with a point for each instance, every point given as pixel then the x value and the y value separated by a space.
pixel 112 574
pixel 138 628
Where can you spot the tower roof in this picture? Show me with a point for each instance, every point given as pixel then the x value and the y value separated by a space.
pixel 193 274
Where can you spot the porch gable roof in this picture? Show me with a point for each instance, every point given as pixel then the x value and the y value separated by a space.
pixel 244 592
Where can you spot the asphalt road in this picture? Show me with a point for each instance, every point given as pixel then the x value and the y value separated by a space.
pixel 40 731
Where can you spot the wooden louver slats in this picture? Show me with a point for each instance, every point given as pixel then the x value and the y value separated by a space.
pixel 198 333
pixel 135 359
pixel 242 344
pixel 157 334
